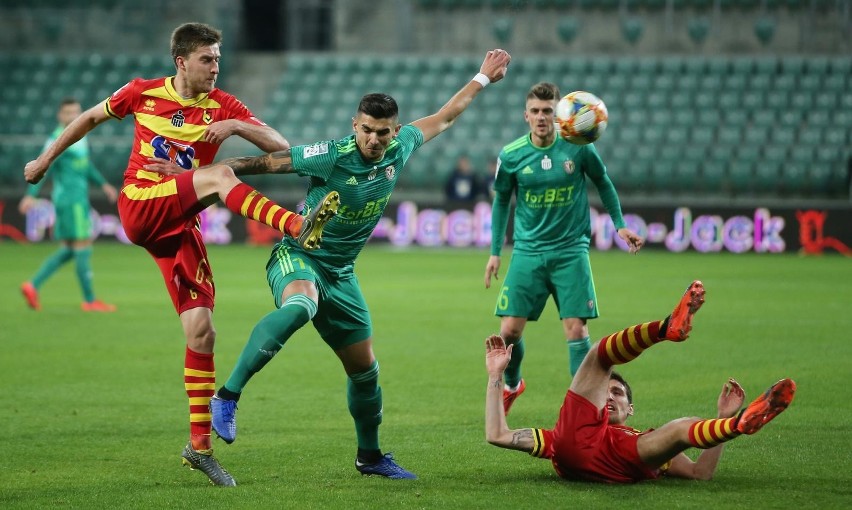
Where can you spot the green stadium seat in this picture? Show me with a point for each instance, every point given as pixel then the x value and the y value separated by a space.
pixel 841 65
pixel 747 152
pixel 695 153
pixel 817 65
pixel 687 176
pixel 730 135
pixel 810 82
pixel 764 118
pixel 756 135
pixel 766 66
pixel 777 99
pixel 767 176
pixel 794 178
pixel 713 177
pixel 662 174
pixel 702 135
pixel 810 136
pixel 802 154
pixel 741 175
pixel 775 153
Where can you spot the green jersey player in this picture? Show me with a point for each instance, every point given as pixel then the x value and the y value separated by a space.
pixel 552 232
pixel 321 285
pixel 72 173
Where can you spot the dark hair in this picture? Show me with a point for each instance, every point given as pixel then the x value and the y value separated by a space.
pixel 616 376
pixel 544 90
pixel 191 36
pixel 68 100
pixel 378 106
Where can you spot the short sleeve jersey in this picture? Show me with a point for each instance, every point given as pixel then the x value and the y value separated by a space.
pixel 365 188
pixel 552 210
pixel 170 127
pixel 71 172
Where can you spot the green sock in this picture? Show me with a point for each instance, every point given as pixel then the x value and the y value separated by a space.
pixel 83 259
pixel 577 350
pixel 512 375
pixel 365 405
pixel 54 262
pixel 268 337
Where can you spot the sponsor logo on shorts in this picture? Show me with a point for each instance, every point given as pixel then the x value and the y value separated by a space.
pixel 315 150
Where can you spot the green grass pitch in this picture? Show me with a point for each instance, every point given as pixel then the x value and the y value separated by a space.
pixel 94 413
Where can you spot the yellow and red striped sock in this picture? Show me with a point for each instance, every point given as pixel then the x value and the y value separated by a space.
pixel 250 203
pixel 627 344
pixel 709 433
pixel 199 378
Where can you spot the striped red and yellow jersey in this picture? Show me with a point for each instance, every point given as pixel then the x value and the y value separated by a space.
pixel 170 127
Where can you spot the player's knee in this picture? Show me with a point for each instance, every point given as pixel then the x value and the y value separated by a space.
pixel 202 339
pixel 511 334
pixel 576 328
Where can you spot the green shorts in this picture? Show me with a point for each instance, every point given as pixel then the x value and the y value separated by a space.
pixel 72 222
pixel 342 317
pixel 532 277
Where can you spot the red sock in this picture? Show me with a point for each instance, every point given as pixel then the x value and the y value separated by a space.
pixel 250 203
pixel 619 348
pixel 199 378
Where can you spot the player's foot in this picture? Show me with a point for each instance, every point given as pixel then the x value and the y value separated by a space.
pixel 385 467
pixel 680 321
pixel 31 295
pixel 509 396
pixel 767 406
pixel 97 306
pixel 311 234
pixel 204 461
pixel 224 418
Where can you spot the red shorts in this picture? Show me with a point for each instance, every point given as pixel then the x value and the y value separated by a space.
pixel 162 217
pixel 586 447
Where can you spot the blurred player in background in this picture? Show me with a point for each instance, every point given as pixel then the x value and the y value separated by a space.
pixel 71 172
pixel 181 121
pixel 590 440
pixel 552 232
pixel 321 286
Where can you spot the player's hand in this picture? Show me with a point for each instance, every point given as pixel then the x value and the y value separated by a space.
pixel 164 166
pixel 497 355
pixel 110 192
pixel 26 203
pixel 491 269
pixel 634 242
pixel 220 131
pixel 495 64
pixel 731 399
pixel 34 171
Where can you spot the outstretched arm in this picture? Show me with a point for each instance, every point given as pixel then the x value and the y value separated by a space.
pixel 279 162
pixel 704 467
pixel 76 130
pixel 263 137
pixel 493 68
pixel 497 432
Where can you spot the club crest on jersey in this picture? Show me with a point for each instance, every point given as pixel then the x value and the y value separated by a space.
pixel 546 163
pixel 178 119
pixel 207 117
pixel 568 166
pixel 390 171
pixel 372 174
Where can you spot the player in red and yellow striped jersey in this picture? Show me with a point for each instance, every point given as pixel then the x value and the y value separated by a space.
pixel 181 121
pixel 590 440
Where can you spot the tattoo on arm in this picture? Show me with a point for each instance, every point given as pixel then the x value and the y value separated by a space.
pixel 520 435
pixel 278 162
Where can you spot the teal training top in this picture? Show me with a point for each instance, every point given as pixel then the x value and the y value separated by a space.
pixel 71 172
pixel 365 189
pixel 552 209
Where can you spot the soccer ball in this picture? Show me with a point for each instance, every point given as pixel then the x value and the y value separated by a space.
pixel 581 117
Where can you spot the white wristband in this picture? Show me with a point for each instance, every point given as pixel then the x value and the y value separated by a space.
pixel 481 79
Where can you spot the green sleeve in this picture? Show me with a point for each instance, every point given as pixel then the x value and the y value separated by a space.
pixel 606 189
pixel 94 176
pixel 499 220
pixel 33 189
